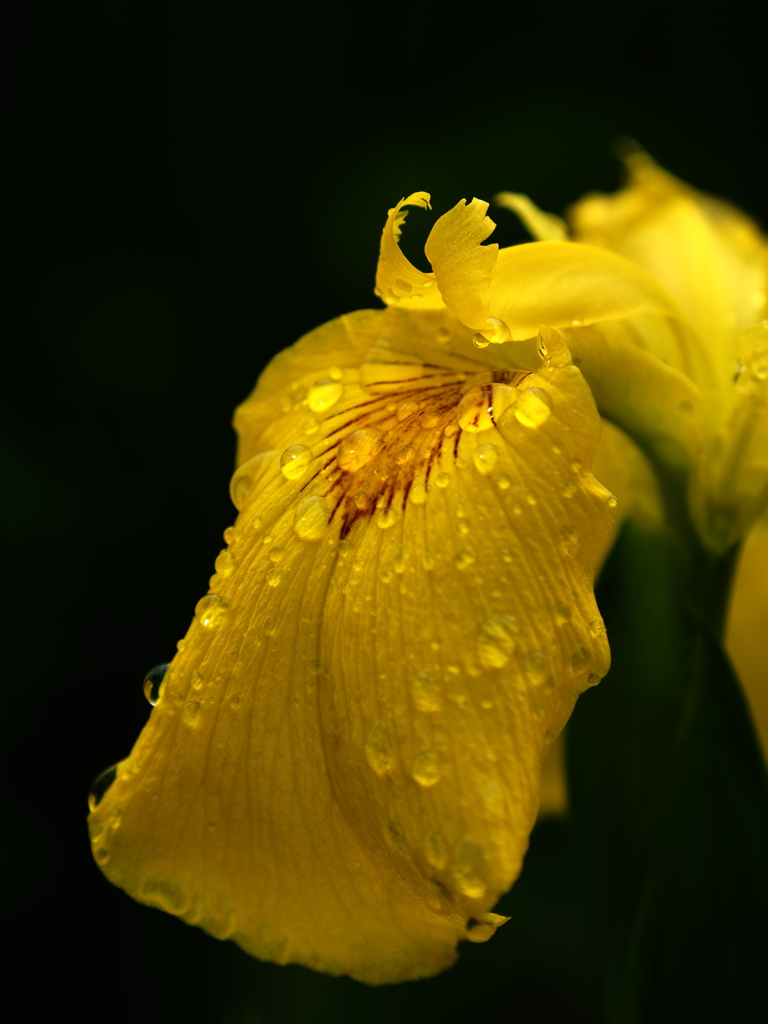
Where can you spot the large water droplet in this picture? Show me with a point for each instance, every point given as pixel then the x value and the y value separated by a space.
pixel 403 454
pixel 426 768
pixel 100 785
pixel 533 407
pixel 418 494
pixel 406 409
pixel 467 869
pixel 211 610
pixel 311 520
pixel 358 448
pixel 485 458
pixel 295 461
pixel 324 393
pixel 153 682
pixel 425 690
pixel 496 640
pixel 442 479
pixel 378 752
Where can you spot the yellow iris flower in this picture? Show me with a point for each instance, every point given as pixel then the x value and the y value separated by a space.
pixel 343 766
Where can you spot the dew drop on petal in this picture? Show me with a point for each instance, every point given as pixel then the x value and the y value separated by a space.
pixel 465 557
pixel 273 575
pixel 276 552
pixel 479 341
pixel 535 666
pixel 153 682
pixel 442 479
pixel 533 407
pixel 425 690
pixel 403 454
pixel 190 714
pixel 496 640
pixel 311 519
pixel 418 494
pixel 436 850
pixel 211 610
pixel 224 563
pixel 378 752
pixel 597 627
pixel 358 448
pixel 485 458
pixel 562 613
pixel 406 409
pixel 324 393
pixel 386 517
pixel 295 461
pixel 99 787
pixel 426 768
pixel 467 869
pixel 504 481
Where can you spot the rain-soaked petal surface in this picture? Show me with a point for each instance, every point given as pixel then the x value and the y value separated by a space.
pixel 342 767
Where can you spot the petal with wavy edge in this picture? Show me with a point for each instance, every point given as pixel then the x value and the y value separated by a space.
pixel 398 282
pixel 710 256
pixel 557 283
pixel 343 767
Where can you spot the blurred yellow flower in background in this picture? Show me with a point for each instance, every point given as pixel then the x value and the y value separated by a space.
pixel 343 765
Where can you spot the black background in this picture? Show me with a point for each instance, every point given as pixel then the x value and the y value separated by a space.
pixel 192 188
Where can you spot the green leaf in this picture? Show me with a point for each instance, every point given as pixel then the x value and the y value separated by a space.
pixel 669 802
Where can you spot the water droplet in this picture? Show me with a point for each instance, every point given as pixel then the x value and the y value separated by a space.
pixel 463 527
pixel 442 479
pixel 465 557
pixel 386 517
pixel 418 494
pixel 503 481
pixel 406 409
pixel 485 458
pixel 386 575
pixel 324 393
pixel 496 640
pixel 426 768
pixel 569 490
pixel 247 475
pixel 500 331
pixel 295 461
pixel 229 535
pixel 153 682
pixel 436 850
pixel 593 679
pixel 425 690
pixel 335 373
pixel 377 750
pixel 276 553
pixel 569 537
pixel 234 701
pixel 100 785
pixel 479 341
pixel 597 627
pixel 562 613
pixel 533 407
pixel 191 713
pixel 211 610
pixel 273 575
pixel 224 563
pixel 612 501
pixel 311 520
pixel 358 448
pixel 101 855
pixel 403 454
pixel 535 667
pixel 267 539
pixel 467 869
pixel 579 659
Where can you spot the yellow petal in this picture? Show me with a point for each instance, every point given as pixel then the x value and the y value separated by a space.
pixel 709 256
pixel 544 227
pixel 343 768
pixel 398 282
pixel 745 632
pixel 557 283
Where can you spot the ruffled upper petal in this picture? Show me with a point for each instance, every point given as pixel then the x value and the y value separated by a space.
pixel 398 282
pixel 343 766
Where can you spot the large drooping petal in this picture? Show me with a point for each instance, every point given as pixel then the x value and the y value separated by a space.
pixel 398 282
pixel 343 766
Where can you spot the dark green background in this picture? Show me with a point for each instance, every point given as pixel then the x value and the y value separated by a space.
pixel 192 189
